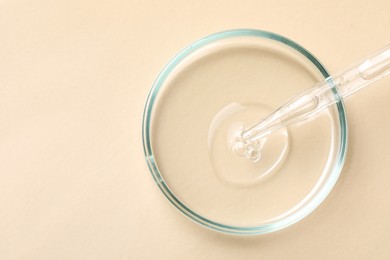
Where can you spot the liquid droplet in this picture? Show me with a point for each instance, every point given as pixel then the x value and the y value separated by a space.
pixel 244 163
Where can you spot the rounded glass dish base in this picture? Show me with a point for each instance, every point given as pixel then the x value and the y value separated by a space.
pixel 200 101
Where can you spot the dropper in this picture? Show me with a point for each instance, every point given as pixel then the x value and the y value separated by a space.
pixel 315 99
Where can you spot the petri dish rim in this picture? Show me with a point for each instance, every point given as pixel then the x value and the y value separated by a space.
pixel 239 230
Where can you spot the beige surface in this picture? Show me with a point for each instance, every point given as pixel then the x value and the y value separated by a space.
pixel 74 76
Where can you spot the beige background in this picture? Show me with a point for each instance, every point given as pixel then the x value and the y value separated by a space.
pixel 74 76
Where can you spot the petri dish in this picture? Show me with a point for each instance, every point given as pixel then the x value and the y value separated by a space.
pixel 203 97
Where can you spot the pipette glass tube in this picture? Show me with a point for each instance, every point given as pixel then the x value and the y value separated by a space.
pixel 315 99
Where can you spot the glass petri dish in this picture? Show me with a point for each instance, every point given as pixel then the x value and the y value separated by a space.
pixel 204 96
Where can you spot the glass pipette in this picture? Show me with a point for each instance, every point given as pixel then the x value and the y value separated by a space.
pixel 314 100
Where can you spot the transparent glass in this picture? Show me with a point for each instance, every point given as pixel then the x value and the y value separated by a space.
pixel 208 92
pixel 307 104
